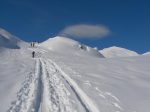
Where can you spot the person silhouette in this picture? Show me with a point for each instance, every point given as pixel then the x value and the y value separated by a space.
pixel 33 54
pixel 31 44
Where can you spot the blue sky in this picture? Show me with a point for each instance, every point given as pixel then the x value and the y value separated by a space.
pixel 37 20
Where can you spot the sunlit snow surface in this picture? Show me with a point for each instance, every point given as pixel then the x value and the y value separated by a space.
pixel 66 77
pixel 114 51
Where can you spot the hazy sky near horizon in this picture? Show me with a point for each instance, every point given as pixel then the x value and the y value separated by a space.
pixel 99 23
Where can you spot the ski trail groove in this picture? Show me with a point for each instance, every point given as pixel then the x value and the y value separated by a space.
pixel 45 91
pixel 30 95
pixel 74 91
pixel 56 92
pixel 86 102
pixel 42 91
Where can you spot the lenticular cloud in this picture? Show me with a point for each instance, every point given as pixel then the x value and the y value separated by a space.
pixel 86 31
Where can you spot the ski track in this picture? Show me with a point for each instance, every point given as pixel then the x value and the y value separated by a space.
pixel 29 96
pixel 45 91
pixel 55 91
pixel 42 91
pixel 85 101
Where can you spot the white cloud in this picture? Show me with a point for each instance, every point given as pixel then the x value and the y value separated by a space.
pixel 86 31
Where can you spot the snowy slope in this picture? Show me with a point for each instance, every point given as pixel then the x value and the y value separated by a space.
pixel 8 40
pixel 69 47
pixel 114 85
pixel 117 52
pixel 65 77
pixel 147 53
pixel 15 66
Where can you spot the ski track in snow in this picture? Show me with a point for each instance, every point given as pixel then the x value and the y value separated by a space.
pixel 44 91
pixel 30 94
pixel 55 92
pixel 86 102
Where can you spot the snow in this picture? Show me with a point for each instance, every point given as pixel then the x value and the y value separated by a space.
pixel 113 84
pixel 15 65
pixel 89 105
pixel 65 77
pixel 62 44
pixel 147 53
pixel 114 51
pixel 8 40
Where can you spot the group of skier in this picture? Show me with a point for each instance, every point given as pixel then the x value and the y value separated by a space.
pixel 33 52
pixel 32 44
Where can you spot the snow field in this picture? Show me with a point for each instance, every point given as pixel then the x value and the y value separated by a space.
pixel 29 94
pixel 67 76
pixel 87 103
pixel 56 91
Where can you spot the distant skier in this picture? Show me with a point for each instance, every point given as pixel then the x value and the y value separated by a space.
pixel 31 44
pixel 33 54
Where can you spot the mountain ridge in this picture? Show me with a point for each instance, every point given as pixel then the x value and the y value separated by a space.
pixel 115 51
pixel 69 46
pixel 7 40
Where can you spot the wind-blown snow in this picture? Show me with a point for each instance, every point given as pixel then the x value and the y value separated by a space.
pixel 67 76
pixel 114 51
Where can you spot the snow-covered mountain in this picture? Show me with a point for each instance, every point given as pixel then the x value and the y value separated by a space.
pixel 114 51
pixel 147 53
pixel 69 47
pixel 67 76
pixel 8 40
